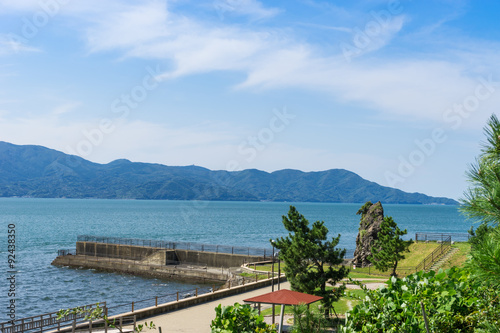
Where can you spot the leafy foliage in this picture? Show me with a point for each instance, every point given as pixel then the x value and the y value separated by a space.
pixel 478 235
pixel 239 318
pixel 388 249
pixel 310 258
pixel 453 303
pixel 482 199
pixel 364 209
pixel 308 321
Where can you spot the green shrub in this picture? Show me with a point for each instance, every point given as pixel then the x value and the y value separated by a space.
pixel 453 303
pixel 239 318
pixel 307 320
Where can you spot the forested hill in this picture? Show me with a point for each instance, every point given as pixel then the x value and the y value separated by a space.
pixel 35 171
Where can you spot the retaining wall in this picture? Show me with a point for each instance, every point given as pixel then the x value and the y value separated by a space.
pixel 213 259
pixel 133 252
pixel 144 269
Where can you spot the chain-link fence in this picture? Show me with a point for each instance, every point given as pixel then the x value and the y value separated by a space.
pixel 249 251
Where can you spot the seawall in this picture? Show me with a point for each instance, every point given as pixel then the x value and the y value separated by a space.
pixel 177 264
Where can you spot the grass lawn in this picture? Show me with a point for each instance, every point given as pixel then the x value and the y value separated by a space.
pixel 459 257
pixel 418 252
pixel 252 277
pixel 267 267
pixel 356 275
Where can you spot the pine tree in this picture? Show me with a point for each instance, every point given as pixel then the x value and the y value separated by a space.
pixel 310 258
pixel 484 258
pixel 388 249
pixel 482 203
pixel 482 199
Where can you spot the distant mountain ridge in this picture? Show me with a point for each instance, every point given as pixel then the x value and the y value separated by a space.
pixel 36 171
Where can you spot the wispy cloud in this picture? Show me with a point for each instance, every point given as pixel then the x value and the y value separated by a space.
pixel 148 142
pixel 66 108
pixel 251 8
pixel 130 27
pixel 380 78
pixel 270 58
pixel 19 5
pixel 11 44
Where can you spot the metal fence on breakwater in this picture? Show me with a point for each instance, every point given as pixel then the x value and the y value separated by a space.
pixel 250 251
pixel 441 237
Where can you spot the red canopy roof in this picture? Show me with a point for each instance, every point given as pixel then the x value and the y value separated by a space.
pixel 284 296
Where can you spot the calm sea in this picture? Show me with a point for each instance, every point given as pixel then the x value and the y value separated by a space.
pixel 44 226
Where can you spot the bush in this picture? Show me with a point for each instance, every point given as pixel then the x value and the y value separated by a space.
pixel 453 303
pixel 239 318
pixel 308 321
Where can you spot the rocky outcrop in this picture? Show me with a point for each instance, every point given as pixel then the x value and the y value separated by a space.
pixel 372 216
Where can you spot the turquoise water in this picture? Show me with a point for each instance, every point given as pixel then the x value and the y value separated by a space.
pixel 44 226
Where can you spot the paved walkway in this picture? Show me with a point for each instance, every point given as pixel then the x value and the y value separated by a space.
pixel 197 319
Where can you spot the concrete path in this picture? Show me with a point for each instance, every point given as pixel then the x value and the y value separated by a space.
pixel 197 319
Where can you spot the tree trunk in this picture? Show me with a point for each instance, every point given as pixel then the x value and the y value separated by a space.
pixel 394 269
pixel 327 309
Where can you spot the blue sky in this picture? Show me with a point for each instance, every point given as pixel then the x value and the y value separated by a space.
pixel 396 91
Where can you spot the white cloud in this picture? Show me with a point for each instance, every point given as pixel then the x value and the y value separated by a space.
pixel 66 108
pixel 53 7
pixel 13 44
pixel 252 8
pixel 19 5
pixel 413 88
pixel 136 140
pixel 151 31
pixel 421 86
pixel 129 26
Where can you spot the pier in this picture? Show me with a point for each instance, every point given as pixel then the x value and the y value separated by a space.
pixel 174 260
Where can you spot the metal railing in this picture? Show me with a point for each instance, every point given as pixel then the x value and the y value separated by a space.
pixel 434 236
pixel 442 249
pixel 179 296
pixel 249 251
pixel 48 321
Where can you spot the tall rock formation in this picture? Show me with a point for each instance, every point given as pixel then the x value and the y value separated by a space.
pixel 372 216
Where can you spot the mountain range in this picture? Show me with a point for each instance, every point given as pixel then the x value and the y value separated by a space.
pixel 40 172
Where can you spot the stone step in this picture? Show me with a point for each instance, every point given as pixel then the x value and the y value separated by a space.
pixel 443 259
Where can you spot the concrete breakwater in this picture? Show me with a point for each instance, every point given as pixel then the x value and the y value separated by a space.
pixel 180 264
